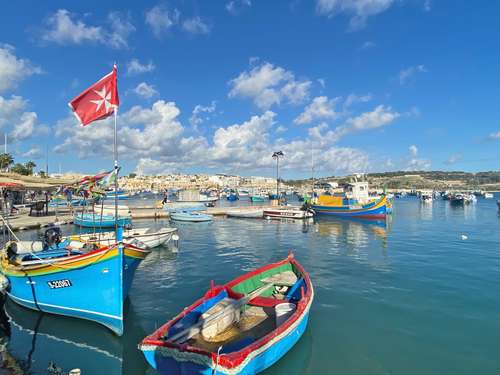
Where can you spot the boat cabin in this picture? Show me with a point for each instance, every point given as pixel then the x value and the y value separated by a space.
pixel 357 191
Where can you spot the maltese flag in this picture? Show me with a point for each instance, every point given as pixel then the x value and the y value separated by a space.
pixel 98 101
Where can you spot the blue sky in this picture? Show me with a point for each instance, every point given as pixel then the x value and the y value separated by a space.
pixel 217 86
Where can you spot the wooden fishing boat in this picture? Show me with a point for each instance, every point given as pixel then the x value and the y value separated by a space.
pixel 147 238
pixel 232 197
pixel 194 217
pixel 257 198
pixel 94 220
pixel 86 282
pixel 246 214
pixel 355 202
pixel 287 212
pixel 242 327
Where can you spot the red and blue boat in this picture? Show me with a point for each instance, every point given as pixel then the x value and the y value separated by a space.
pixel 354 202
pixel 242 327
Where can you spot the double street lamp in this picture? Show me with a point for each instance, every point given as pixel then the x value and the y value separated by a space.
pixel 277 155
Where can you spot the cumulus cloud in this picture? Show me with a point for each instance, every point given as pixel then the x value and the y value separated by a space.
pixel 201 113
pixel 33 153
pixel 234 7
pixel 368 45
pixel 408 74
pixel 161 19
pixel 413 150
pixel 357 10
pixel 64 28
pixel 354 99
pixel 321 108
pixel 19 123
pixel 196 25
pixel 13 70
pixel 145 91
pixel 455 158
pixel 135 67
pixel 268 85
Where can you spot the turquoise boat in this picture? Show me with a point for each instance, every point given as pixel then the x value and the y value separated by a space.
pixel 86 283
pixel 92 220
pixel 242 327
pixel 257 198
pixel 195 217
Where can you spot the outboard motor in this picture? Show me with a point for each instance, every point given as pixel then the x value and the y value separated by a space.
pixel 12 251
pixel 52 238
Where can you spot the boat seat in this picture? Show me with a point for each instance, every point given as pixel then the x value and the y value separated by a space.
pixel 265 301
pixel 237 345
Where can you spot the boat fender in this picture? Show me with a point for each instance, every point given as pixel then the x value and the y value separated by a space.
pixel 11 251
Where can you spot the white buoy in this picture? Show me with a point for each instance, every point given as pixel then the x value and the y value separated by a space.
pixel 463 237
pixel 75 371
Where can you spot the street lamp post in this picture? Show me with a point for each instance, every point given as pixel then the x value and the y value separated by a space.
pixel 277 155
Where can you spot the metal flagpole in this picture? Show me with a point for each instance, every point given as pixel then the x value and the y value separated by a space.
pixel 116 174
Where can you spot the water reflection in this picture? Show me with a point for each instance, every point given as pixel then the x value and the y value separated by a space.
pixel 44 343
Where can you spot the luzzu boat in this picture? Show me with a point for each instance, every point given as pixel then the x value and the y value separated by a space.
pixel 242 327
pixel 82 282
pixel 355 202
pixel 94 220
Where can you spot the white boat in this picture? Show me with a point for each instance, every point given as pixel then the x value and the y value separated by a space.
pixel 194 196
pixel 246 214
pixel 488 195
pixel 287 213
pixel 426 196
pixel 141 237
pixel 123 211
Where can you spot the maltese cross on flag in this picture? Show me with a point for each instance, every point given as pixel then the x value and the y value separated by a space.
pixel 98 101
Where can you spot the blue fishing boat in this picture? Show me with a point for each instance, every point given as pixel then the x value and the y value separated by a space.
pixel 355 202
pixel 93 220
pixel 195 217
pixel 232 197
pixel 84 282
pixel 242 327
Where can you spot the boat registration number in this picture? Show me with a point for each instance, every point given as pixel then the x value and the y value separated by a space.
pixel 58 284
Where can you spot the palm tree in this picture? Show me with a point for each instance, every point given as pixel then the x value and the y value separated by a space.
pixel 6 160
pixel 30 165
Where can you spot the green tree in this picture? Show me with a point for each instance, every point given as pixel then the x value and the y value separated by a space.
pixel 20 169
pixel 30 166
pixel 6 160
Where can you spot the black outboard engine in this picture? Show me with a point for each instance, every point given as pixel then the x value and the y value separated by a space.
pixel 52 238
pixel 12 251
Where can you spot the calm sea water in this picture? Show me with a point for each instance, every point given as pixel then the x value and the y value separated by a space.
pixel 407 296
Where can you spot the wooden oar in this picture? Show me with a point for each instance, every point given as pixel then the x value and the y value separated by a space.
pixel 189 332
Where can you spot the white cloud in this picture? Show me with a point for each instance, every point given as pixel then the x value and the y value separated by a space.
pixel 236 6
pixel 281 129
pixel 368 45
pixel 413 150
pixel 453 159
pixel 136 67
pixel 13 69
pixel 16 121
pixel 64 28
pixel 160 19
pixel 405 75
pixel 495 135
pixel 196 25
pixel 353 99
pixel 268 85
pixel 320 108
pixel 33 153
pixel 358 10
pixel 418 164
pixel 201 113
pixel 427 5
pixel 146 91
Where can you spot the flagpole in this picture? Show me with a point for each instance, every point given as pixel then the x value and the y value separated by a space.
pixel 116 173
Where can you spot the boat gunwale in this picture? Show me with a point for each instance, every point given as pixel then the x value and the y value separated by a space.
pixel 234 359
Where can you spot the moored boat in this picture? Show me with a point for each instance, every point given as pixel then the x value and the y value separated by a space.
pixel 242 327
pixel 93 220
pixel 287 212
pixel 195 217
pixel 246 214
pixel 355 202
pixel 88 282
pixel 148 238
pixel 257 198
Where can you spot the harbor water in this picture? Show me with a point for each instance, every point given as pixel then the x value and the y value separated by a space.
pixel 416 294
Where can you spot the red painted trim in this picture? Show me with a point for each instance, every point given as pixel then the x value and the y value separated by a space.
pixel 234 359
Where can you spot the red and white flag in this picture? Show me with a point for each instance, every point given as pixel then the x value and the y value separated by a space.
pixel 98 101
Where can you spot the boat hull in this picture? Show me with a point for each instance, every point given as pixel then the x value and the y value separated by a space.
pixel 189 217
pixel 374 210
pixel 91 286
pixel 165 364
pixel 89 221
pixel 287 214
pixel 257 199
